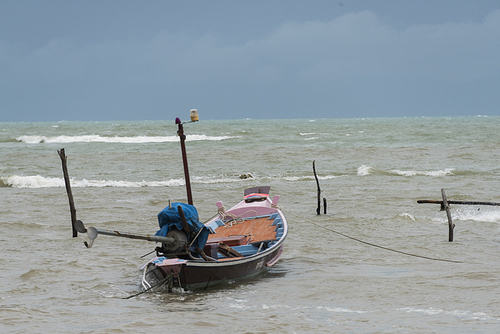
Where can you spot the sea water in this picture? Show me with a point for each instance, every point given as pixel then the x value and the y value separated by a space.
pixel 377 262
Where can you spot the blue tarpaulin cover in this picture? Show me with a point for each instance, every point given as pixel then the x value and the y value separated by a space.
pixel 169 218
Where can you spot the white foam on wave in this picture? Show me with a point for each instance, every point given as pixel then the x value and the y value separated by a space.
pixel 212 180
pixel 364 170
pixel 241 304
pixel 428 311
pixel 115 139
pixel 444 172
pixel 205 137
pixel 127 184
pixel 38 181
pixel 308 177
pixel 473 214
pixel 455 313
pixel 309 134
pixel 483 215
pixel 342 310
pixel 407 215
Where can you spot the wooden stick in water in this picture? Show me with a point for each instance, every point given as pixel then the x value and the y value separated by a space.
pixel 318 210
pixel 68 190
pixel 448 213
pixel 427 201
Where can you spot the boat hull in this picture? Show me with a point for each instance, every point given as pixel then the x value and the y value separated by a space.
pixel 201 275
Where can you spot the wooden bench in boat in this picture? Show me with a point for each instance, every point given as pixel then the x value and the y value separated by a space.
pixel 234 240
pixel 246 237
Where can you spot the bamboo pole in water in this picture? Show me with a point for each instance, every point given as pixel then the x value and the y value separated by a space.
pixel 68 190
pixel 428 201
pixel 318 210
pixel 446 207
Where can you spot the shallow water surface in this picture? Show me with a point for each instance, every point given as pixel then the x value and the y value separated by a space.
pixel 371 171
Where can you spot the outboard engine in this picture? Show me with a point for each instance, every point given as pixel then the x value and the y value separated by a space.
pixel 180 222
pixel 177 246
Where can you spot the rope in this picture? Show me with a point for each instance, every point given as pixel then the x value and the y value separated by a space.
pixel 234 219
pixel 209 219
pixel 163 282
pixel 374 245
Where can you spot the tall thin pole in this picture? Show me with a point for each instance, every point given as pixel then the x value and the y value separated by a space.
pixel 318 210
pixel 180 132
pixel 68 190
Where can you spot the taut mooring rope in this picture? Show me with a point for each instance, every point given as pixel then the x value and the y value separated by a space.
pixel 378 246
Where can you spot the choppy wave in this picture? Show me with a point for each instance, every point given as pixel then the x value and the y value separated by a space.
pixel 365 170
pixel 115 139
pixel 368 170
pixel 444 172
pixel 38 181
pixel 309 177
pixel 478 214
pixel 455 313
pixel 242 304
pixel 406 215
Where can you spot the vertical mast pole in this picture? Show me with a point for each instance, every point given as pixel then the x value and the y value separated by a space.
pixel 180 132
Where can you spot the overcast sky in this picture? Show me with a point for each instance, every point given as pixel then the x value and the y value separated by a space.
pixel 231 59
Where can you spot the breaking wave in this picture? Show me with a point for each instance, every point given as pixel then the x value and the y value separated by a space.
pixel 460 314
pixel 368 170
pixel 407 216
pixel 477 214
pixel 444 172
pixel 38 181
pixel 308 177
pixel 115 139
pixel 364 170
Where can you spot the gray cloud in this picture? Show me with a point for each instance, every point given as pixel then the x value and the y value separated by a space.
pixel 357 65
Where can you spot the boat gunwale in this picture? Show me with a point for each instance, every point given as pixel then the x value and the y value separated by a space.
pixel 240 260
pixel 236 261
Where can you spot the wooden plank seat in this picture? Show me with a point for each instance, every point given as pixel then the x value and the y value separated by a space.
pixel 257 229
pixel 233 240
pixel 244 237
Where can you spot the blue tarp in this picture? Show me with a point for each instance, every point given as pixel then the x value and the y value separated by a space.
pixel 169 218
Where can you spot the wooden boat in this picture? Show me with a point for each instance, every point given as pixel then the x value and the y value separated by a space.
pixel 241 242
pixel 244 241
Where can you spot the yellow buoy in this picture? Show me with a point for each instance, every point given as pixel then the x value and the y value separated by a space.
pixel 194 115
